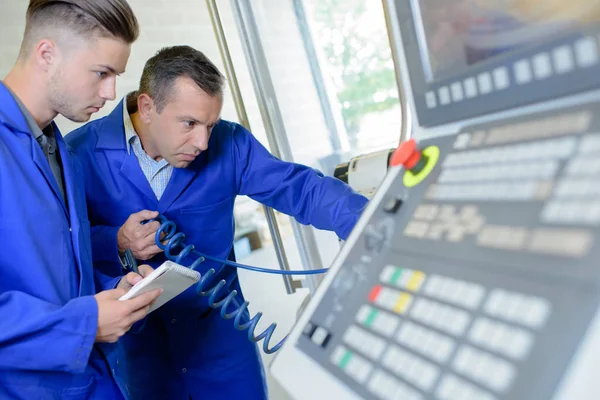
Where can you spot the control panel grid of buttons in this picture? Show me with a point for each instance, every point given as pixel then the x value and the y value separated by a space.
pixel 415 326
pixel 420 376
pixel 560 156
pixel 364 339
pixel 403 332
pixel 570 58
pixel 517 303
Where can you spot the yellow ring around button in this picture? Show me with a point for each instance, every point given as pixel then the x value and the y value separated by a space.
pixel 433 155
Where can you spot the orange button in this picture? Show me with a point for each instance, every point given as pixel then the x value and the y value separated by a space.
pixel 407 155
pixel 374 293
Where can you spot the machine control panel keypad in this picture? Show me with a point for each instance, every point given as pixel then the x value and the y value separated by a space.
pixel 464 288
pixel 413 324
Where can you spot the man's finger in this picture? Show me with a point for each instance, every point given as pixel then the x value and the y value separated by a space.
pixel 145 242
pixel 149 252
pixel 112 294
pixel 133 278
pixel 143 215
pixel 149 229
pixel 153 250
pixel 145 270
pixel 148 249
pixel 143 300
pixel 139 314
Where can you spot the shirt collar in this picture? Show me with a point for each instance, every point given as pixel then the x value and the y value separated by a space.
pixel 130 133
pixel 131 136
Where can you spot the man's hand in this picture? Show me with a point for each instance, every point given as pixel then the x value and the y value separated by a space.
pixel 115 317
pixel 137 237
pixel 132 278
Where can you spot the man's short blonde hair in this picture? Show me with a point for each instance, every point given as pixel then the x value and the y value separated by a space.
pixel 85 18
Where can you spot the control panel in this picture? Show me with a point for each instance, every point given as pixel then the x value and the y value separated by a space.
pixel 476 274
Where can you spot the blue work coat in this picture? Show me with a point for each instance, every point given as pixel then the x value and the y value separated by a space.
pixel 185 349
pixel 48 315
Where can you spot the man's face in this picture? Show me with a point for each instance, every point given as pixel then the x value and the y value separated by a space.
pixel 84 77
pixel 180 132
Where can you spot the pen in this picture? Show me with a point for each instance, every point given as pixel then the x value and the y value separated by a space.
pixel 130 261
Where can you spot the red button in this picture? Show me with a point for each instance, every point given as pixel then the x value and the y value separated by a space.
pixel 374 293
pixel 407 155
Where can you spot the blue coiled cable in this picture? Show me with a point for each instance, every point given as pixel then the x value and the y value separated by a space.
pixel 169 240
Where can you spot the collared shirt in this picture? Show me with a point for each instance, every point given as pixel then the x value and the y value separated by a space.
pixel 158 173
pixel 47 141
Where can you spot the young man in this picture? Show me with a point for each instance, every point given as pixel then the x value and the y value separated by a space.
pixel 166 149
pixel 53 322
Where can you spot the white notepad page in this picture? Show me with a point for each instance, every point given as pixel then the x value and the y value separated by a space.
pixel 171 277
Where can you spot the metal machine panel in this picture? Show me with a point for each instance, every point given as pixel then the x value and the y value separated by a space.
pixel 480 280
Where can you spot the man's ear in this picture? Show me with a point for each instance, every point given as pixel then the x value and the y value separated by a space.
pixel 145 107
pixel 46 54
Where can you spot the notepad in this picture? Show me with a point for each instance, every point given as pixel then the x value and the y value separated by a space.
pixel 171 277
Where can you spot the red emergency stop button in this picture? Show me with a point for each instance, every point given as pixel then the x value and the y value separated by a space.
pixel 407 155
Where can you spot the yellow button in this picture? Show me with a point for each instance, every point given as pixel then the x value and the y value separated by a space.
pixel 415 282
pixel 402 303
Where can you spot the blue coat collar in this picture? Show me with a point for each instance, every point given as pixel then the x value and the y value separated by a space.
pixel 112 131
pixel 12 117
pixel 10 113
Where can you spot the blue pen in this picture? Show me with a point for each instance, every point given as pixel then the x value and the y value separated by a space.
pixel 130 261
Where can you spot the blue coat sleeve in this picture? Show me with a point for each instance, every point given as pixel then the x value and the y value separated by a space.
pixel 105 282
pixel 294 189
pixel 105 255
pixel 29 327
pixel 104 243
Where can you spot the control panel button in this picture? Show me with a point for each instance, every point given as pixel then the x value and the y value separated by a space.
pixel 430 100
pixel 470 87
pixel 377 236
pixel 501 79
pixel 522 71
pixel 542 66
pixel 309 329
pixel 485 82
pixel 392 205
pixel 408 156
pixel 586 52
pixel 444 94
pixel 563 59
pixel 320 337
pixel 375 292
pixel 457 91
